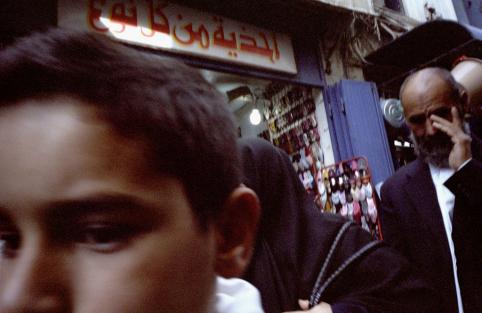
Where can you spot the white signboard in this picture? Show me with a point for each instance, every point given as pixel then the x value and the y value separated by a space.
pixel 363 6
pixel 168 26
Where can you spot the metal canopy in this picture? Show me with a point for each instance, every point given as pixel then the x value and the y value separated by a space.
pixel 435 43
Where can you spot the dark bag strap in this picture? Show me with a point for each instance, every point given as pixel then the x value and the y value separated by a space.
pixel 320 284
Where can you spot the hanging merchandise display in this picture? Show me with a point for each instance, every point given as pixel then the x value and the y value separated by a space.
pixel 290 123
pixel 345 188
pixel 292 126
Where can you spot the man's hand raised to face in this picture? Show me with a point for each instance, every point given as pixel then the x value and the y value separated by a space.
pixel 461 150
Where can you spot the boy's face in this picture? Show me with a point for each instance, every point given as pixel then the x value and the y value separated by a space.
pixel 85 227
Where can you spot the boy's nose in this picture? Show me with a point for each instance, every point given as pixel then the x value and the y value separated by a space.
pixel 34 281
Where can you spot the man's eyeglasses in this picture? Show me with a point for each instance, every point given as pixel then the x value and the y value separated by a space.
pixel 443 112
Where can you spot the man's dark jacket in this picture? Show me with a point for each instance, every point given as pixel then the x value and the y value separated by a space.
pixel 412 223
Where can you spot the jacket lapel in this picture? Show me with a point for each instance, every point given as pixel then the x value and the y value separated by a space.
pixel 476 146
pixel 421 191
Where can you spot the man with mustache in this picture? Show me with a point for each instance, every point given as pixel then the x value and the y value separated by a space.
pixel 432 208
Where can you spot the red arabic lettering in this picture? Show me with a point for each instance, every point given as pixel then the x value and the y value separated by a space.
pixel 249 44
pixel 201 35
pixel 124 17
pixel 161 26
pixel 189 30
pixel 95 14
pixel 276 49
pixel 219 38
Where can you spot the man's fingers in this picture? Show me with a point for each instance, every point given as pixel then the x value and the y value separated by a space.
pixel 451 128
pixel 445 128
pixel 441 120
pixel 455 133
pixel 456 119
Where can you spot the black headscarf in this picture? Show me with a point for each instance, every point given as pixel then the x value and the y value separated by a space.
pixel 294 240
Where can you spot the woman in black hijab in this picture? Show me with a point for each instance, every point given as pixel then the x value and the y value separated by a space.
pixel 302 253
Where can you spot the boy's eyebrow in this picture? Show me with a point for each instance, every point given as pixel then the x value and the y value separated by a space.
pixel 113 206
pixel 100 203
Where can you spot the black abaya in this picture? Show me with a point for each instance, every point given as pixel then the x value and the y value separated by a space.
pixel 294 240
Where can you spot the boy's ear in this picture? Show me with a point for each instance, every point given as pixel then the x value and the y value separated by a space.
pixel 235 231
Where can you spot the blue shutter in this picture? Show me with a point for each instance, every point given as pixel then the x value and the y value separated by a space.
pixel 337 123
pixel 357 126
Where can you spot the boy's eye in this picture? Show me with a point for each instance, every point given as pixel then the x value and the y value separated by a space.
pixel 104 238
pixel 9 242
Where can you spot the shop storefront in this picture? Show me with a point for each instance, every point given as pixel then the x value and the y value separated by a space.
pixel 274 92
pixel 266 57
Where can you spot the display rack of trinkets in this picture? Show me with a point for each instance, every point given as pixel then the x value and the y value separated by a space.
pixel 292 126
pixel 345 188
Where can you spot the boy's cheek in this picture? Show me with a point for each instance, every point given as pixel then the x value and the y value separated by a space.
pixel 151 275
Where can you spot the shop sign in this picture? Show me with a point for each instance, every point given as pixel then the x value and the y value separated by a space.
pixel 168 26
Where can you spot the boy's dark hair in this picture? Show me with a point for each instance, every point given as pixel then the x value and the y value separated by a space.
pixel 189 132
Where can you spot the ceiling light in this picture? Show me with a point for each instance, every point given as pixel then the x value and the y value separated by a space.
pixel 255 117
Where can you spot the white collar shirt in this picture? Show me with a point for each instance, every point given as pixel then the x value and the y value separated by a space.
pixel 446 201
pixel 236 295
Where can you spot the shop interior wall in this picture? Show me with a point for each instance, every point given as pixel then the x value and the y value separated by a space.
pixel 247 129
pixel 323 128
